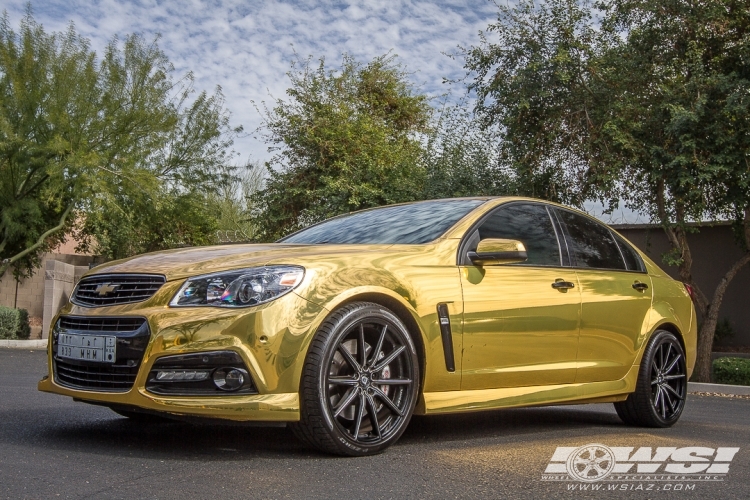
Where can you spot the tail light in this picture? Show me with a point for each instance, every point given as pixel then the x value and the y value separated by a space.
pixel 690 290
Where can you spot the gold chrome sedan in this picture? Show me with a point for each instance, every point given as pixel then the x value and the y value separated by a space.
pixel 346 329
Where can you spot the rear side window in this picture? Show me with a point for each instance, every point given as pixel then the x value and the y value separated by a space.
pixel 633 261
pixel 529 224
pixel 591 243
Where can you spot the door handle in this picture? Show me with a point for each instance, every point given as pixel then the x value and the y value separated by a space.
pixel 640 286
pixel 562 285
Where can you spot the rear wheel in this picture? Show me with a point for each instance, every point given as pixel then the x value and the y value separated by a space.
pixel 360 382
pixel 659 397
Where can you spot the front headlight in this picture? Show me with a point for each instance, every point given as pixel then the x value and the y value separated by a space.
pixel 238 288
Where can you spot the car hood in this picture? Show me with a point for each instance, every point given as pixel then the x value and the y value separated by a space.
pixel 186 262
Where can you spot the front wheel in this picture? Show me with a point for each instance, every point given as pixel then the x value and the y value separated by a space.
pixel 360 382
pixel 661 389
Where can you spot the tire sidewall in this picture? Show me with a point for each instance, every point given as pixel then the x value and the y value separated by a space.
pixel 337 329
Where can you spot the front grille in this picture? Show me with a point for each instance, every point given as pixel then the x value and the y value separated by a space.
pixel 103 378
pixel 110 289
pixel 92 324
pixel 132 338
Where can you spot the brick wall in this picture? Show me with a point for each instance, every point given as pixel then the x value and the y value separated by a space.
pixel 30 294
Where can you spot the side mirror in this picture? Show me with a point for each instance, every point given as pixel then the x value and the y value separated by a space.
pixel 495 251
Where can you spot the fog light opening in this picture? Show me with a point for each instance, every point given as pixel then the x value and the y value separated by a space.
pixel 230 379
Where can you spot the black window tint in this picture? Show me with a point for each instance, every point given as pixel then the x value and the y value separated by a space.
pixel 529 224
pixel 402 224
pixel 632 259
pixel 591 243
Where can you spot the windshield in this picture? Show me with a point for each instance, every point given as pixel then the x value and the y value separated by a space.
pixel 403 224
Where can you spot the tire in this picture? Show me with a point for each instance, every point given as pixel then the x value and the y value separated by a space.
pixel 661 388
pixel 360 382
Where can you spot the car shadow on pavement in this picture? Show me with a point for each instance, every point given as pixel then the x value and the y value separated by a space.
pixel 81 428
pixel 509 422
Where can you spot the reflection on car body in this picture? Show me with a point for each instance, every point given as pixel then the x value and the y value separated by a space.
pixel 346 329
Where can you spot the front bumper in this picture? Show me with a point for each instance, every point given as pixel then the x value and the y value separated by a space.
pixel 272 340
pixel 258 407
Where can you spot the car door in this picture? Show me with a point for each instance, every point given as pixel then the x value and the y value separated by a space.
pixel 518 329
pixel 615 297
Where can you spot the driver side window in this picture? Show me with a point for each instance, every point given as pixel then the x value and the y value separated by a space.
pixel 529 224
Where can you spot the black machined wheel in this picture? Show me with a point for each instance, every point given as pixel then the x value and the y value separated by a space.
pixel 661 390
pixel 360 382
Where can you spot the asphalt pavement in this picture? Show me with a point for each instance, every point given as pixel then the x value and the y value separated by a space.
pixel 52 447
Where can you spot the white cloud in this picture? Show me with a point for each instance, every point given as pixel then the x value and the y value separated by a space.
pixel 246 47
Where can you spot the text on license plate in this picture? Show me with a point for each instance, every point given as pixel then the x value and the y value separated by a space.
pixel 87 347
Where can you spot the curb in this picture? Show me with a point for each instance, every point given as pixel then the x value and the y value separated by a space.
pixel 737 390
pixel 24 344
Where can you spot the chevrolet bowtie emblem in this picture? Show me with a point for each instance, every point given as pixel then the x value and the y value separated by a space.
pixel 106 289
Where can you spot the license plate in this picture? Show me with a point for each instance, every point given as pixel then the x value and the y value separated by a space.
pixel 87 347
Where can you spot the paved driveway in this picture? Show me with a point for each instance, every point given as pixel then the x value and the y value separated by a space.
pixel 51 447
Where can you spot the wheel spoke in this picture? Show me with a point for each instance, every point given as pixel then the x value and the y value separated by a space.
pixel 360 415
pixel 373 412
pixel 657 397
pixel 361 345
pixel 672 377
pixel 384 362
pixel 666 358
pixel 671 389
pixel 392 381
pixel 343 381
pixel 663 403
pixel 667 397
pixel 346 402
pixel 385 399
pixel 676 359
pixel 379 346
pixel 348 357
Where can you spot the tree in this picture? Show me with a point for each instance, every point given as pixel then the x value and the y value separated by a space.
pixel 463 159
pixel 233 204
pixel 649 106
pixel 345 140
pixel 87 140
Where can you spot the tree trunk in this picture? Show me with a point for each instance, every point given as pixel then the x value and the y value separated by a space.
pixel 702 371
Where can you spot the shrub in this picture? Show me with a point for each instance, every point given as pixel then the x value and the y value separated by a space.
pixel 14 323
pixel 735 371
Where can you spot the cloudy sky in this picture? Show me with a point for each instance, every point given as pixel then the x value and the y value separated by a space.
pixel 247 46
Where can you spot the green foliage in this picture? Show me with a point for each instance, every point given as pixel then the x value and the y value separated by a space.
pixel 126 227
pixel 83 141
pixel 462 159
pixel 345 140
pixel 527 76
pixel 650 107
pixel 733 371
pixel 14 323
pixel 232 204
